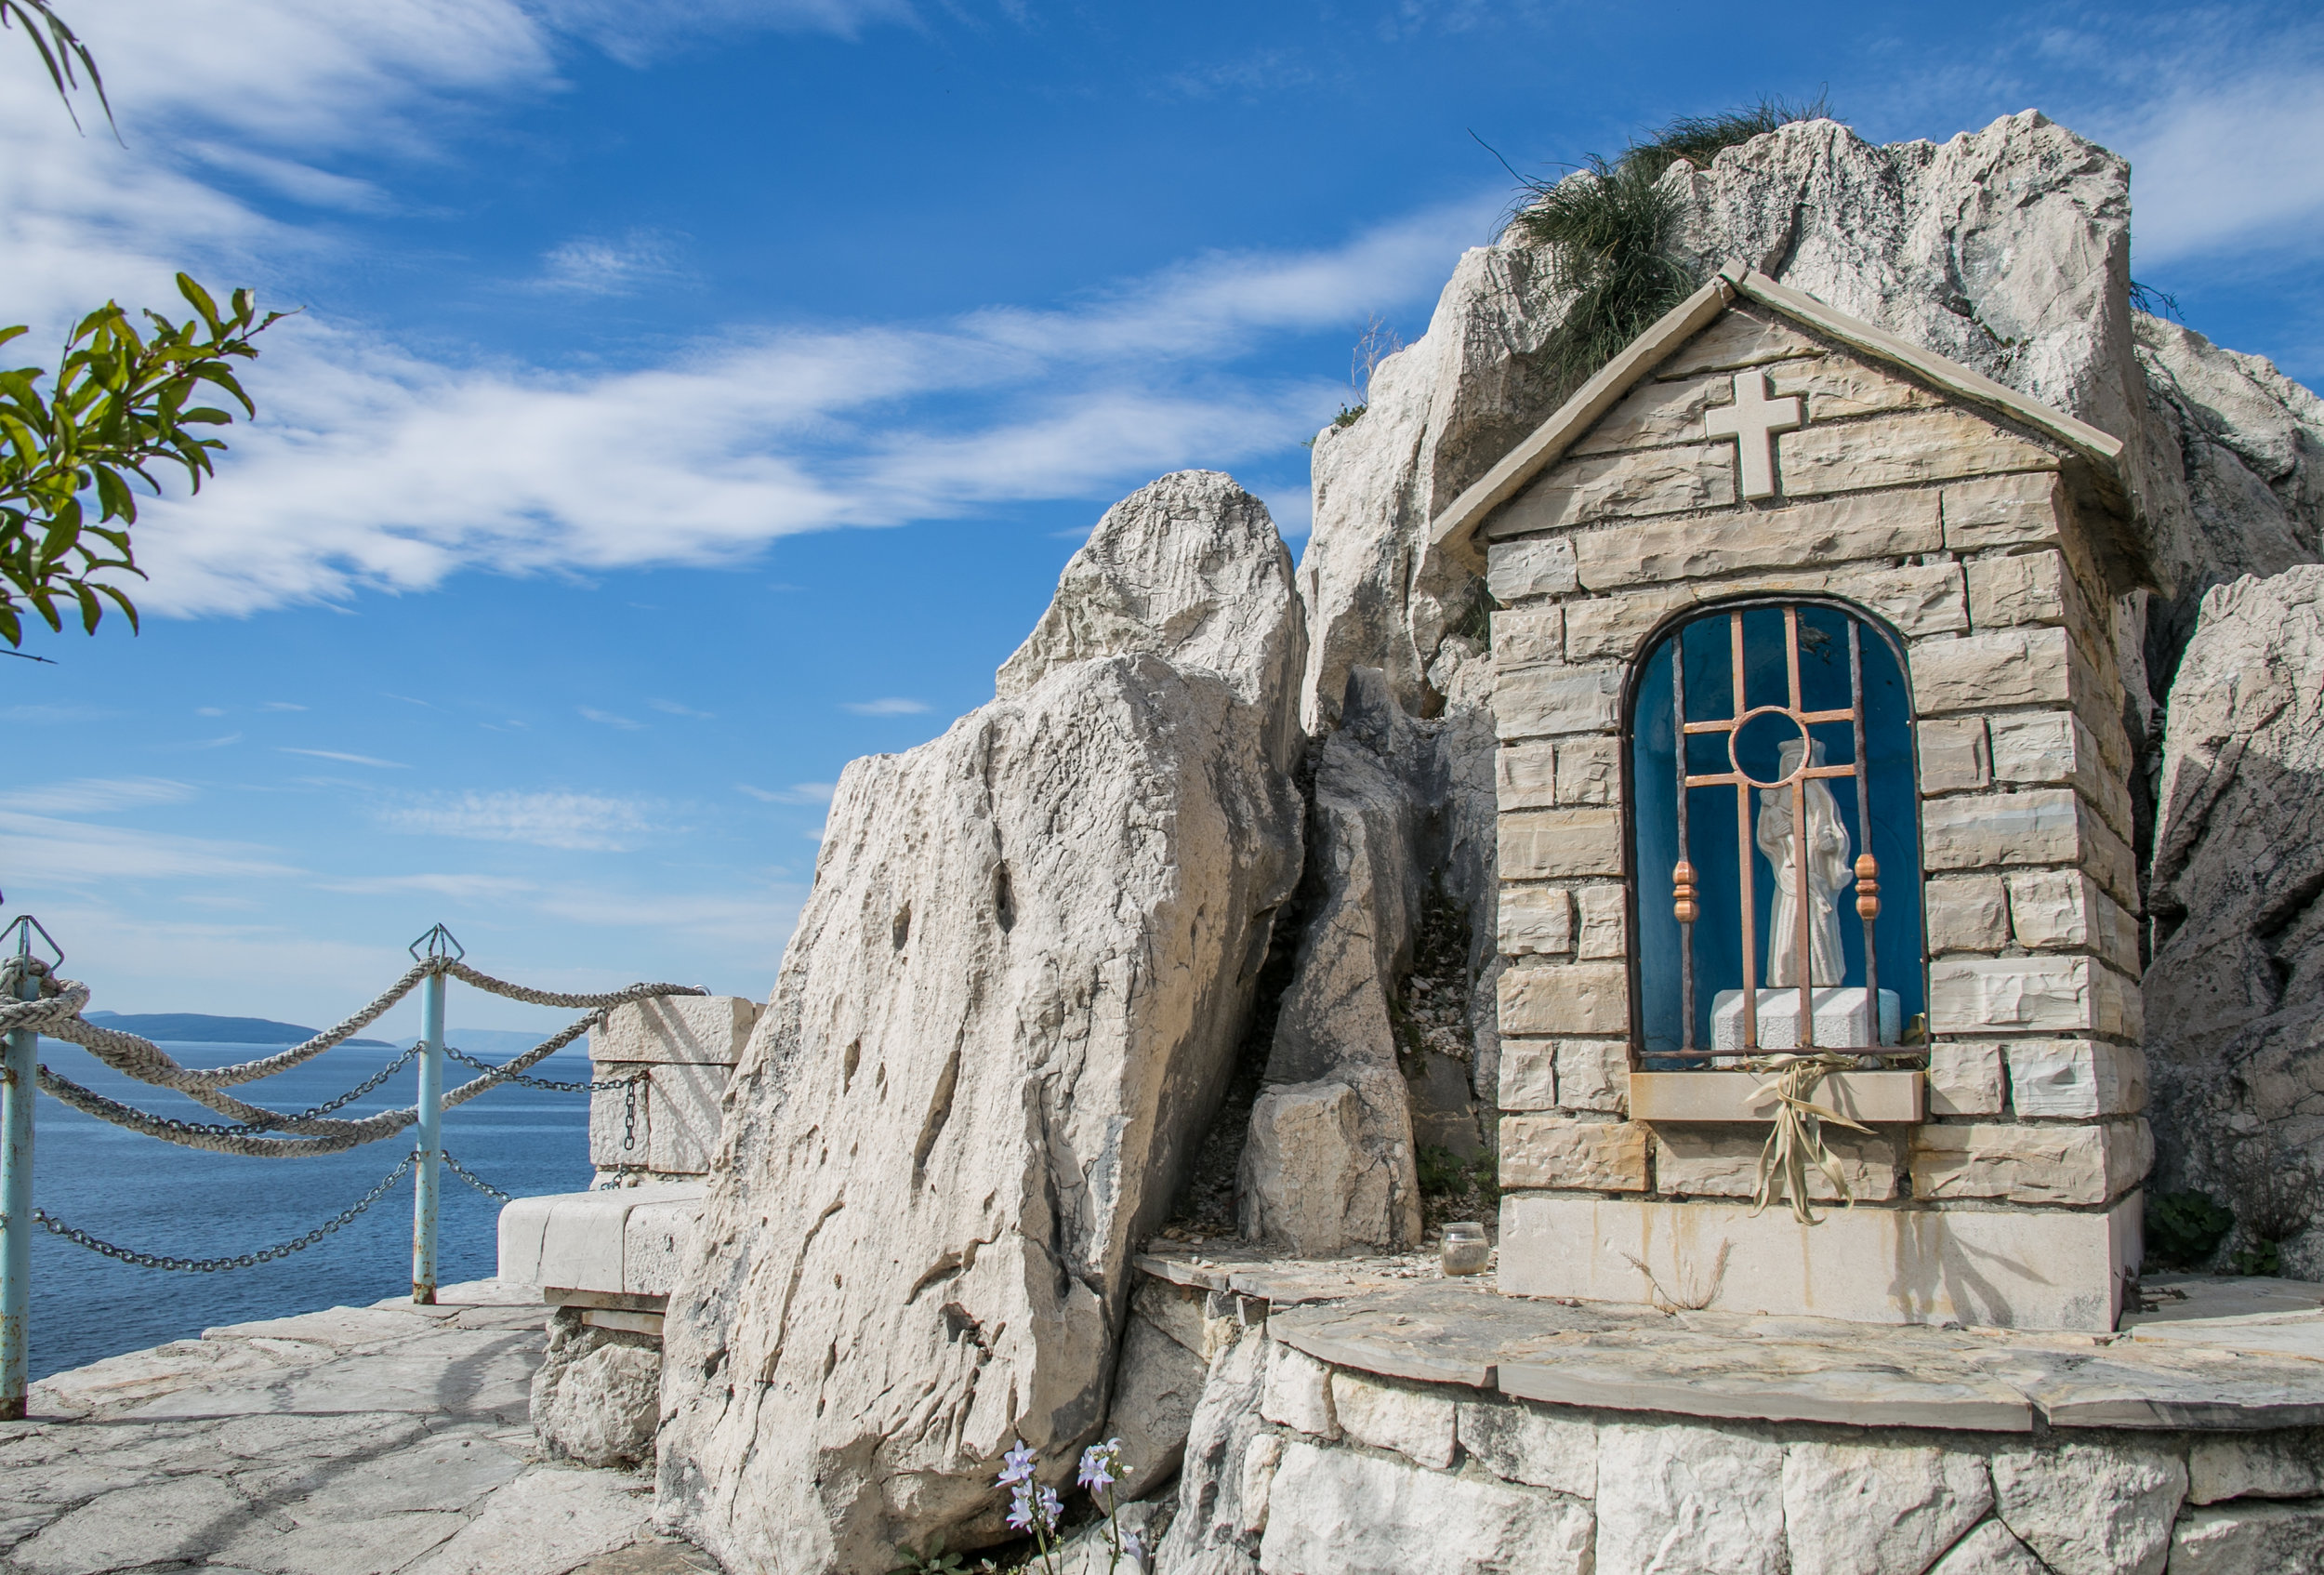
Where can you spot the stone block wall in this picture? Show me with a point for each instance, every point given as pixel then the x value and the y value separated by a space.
pixel 671 1059
pixel 1959 531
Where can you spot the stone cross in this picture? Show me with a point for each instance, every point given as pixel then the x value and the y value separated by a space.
pixel 1752 421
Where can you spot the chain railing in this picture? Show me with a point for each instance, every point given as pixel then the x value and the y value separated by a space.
pixel 46 1004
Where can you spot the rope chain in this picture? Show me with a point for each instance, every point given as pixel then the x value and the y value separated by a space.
pixel 80 1238
pixel 58 1014
pixel 479 1182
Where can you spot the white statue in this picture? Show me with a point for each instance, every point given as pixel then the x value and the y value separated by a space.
pixel 1828 872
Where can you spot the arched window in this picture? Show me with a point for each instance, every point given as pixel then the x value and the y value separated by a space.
pixel 1794 713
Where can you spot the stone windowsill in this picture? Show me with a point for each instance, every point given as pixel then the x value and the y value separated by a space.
pixel 1875 1098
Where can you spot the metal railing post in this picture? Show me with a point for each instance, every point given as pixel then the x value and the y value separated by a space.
pixel 18 1090
pixel 426 1169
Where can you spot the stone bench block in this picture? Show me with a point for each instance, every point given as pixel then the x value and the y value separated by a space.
pixel 699 1030
pixel 620 1240
pixel 2032 1268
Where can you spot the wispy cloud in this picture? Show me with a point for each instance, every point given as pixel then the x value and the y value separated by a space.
pixel 607 719
pixel 345 758
pixel 460 888
pixel 796 793
pixel 586 267
pixel 38 848
pixel 587 822
pixel 673 709
pixel 97 795
pixel 280 706
pixel 893 705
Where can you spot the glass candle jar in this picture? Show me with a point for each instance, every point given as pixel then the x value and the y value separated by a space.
pixel 1465 1249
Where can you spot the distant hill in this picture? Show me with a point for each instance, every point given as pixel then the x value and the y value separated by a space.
pixel 200 1028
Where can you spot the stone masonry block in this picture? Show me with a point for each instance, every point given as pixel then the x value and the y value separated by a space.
pixel 1593 1075
pixel 2075 1079
pixel 1542 702
pixel 2004 511
pixel 1529 634
pixel 1722 1162
pixel 1528 1077
pixel 700 1030
pixel 1415 1422
pixel 1535 921
pixel 1955 757
pixel 1525 776
pixel 1516 570
pixel 1547 844
pixel 2082 1165
pixel 1604 932
pixel 1557 1000
pixel 2038 826
pixel 1656 481
pixel 2066 910
pixel 1967 913
pixel 1980 672
pixel 1588 770
pixel 2057 746
pixel 2029 587
pixel 1907 449
pixel 1556 1151
pixel 1803 536
pixel 1965 1078
pixel 1296 1392
pixel 1919 598
pixel 2040 994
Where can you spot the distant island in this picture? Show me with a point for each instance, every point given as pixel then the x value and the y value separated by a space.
pixel 200 1028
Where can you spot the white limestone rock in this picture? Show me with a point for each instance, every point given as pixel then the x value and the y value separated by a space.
pixel 2092 1509
pixel 1155 1386
pixel 2285 1464
pixel 1296 1392
pixel 597 1395
pixel 2234 995
pixel 1356 1514
pixel 1715 1493
pixel 1878 1509
pixel 1230 1464
pixel 1414 1419
pixel 1000 1029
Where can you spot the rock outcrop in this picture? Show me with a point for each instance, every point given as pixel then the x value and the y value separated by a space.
pixel 1396 828
pixel 596 1396
pixel 1003 1023
pixel 2234 994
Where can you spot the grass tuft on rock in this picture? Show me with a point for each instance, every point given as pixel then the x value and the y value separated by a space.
pixel 1612 226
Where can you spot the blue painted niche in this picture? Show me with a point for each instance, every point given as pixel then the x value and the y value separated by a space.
pixel 1711 843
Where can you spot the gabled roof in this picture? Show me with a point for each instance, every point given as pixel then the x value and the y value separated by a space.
pixel 1452 530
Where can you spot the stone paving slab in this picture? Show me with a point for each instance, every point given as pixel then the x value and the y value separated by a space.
pixel 381 1440
pixel 2209 1352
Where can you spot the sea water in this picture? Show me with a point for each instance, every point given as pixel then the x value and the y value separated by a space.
pixel 159 1197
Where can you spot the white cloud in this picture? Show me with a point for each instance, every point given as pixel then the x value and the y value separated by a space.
pixel 584 822
pixel 893 705
pixel 346 758
pixel 607 719
pixel 673 709
pixel 2223 163
pixel 460 888
pixel 280 706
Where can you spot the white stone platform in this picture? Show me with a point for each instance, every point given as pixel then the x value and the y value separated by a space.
pixel 381 1440
pixel 1371 1416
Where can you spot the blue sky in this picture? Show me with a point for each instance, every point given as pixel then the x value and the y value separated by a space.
pixel 692 397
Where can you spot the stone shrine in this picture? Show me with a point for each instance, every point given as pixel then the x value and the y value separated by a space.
pixel 1919 567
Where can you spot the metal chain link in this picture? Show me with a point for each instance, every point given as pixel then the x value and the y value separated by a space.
pixel 211 1266
pixel 349 1097
pixel 479 1182
pixel 464 1059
